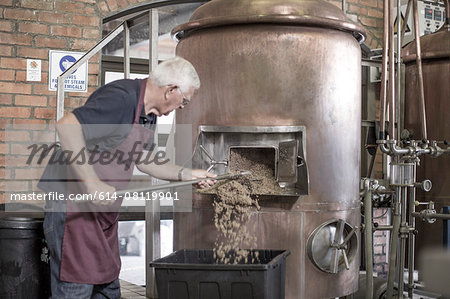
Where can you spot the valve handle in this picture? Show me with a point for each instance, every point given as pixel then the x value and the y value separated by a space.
pixel 347 266
pixel 334 263
pixel 340 246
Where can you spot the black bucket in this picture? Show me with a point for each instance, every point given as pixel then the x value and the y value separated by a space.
pixel 24 260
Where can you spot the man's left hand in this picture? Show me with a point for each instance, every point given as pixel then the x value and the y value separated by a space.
pixel 200 174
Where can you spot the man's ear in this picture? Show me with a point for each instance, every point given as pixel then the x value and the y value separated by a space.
pixel 168 91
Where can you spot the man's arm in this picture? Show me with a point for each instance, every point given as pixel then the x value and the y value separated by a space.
pixel 171 172
pixel 72 138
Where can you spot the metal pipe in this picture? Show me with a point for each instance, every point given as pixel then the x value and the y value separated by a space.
pixel 426 216
pixel 411 241
pixel 384 227
pixel 423 116
pixel 412 150
pixel 383 91
pixel 397 150
pixel 126 50
pixel 368 235
pixel 403 236
pixel 152 215
pixel 392 102
pixel 399 67
pixel 153 38
pixel 384 147
pixel 390 147
pixel 343 7
pixel 394 244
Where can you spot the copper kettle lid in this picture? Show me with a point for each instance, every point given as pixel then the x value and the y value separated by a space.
pixel 315 13
pixel 432 46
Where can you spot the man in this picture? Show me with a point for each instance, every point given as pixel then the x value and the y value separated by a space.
pixel 83 245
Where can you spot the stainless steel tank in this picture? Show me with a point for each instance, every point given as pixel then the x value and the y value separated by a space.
pixel 267 67
pixel 436 74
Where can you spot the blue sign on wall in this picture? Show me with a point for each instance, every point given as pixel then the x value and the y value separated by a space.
pixel 59 62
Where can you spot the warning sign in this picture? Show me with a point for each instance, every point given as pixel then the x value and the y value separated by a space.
pixel 59 62
pixel 407 29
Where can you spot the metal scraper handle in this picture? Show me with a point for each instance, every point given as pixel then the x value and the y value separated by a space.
pixel 229 176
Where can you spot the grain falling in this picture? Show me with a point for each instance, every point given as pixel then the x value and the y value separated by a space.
pixel 237 199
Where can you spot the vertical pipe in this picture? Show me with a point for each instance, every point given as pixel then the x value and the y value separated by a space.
pixel 368 234
pixel 383 91
pixel 153 36
pixel 412 223
pixel 152 208
pixel 399 67
pixel 423 117
pixel 59 102
pixel 394 243
pixel 401 272
pixel 126 50
pixel 401 100
pixel 392 104
pixel 60 98
pixel 343 7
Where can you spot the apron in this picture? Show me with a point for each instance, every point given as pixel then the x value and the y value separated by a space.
pixel 90 247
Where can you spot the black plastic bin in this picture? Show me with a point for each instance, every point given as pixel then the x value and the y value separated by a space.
pixel 193 274
pixel 24 268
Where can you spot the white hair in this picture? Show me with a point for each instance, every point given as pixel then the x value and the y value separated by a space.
pixel 177 71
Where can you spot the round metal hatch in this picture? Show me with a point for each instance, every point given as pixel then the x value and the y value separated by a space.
pixel 317 13
pixel 333 245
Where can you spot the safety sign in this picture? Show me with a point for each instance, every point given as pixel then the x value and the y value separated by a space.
pixel 34 70
pixel 59 62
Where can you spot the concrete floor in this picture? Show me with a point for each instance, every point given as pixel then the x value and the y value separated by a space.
pixel 131 291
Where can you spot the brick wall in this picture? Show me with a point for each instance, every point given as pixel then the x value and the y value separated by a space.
pixel 381 242
pixel 369 14
pixel 29 29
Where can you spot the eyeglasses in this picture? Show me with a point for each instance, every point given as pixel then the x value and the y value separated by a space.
pixel 185 100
